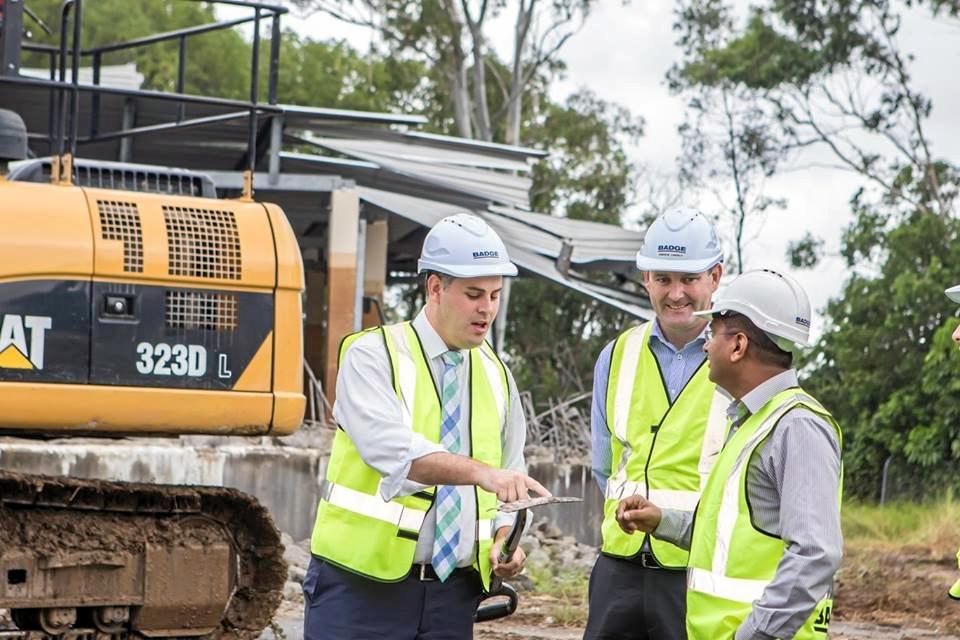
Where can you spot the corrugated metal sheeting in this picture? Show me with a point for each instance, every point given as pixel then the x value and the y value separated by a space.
pixel 536 243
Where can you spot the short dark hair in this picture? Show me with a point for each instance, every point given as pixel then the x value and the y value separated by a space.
pixel 445 279
pixel 767 350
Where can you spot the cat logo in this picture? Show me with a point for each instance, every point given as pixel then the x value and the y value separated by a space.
pixel 14 351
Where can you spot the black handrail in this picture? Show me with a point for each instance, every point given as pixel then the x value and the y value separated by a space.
pixel 64 117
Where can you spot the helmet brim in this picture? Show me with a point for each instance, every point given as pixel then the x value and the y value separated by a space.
pixel 954 293
pixel 507 269
pixel 677 266
pixel 784 342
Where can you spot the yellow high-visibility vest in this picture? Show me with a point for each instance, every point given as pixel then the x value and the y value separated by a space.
pixel 660 450
pixel 359 531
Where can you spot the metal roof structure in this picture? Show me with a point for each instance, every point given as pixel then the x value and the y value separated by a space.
pixel 531 242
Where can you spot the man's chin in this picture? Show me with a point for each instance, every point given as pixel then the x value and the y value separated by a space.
pixel 472 340
pixel 678 320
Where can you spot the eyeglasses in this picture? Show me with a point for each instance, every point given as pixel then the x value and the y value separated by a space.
pixel 710 334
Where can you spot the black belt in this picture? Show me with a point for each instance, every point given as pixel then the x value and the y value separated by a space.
pixel 646 560
pixel 425 572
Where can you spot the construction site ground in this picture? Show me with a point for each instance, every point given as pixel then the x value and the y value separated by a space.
pixel 882 593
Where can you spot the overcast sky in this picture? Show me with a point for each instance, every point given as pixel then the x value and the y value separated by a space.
pixel 622 54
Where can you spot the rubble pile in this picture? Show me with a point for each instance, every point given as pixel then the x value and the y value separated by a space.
pixel 297 555
pixel 549 552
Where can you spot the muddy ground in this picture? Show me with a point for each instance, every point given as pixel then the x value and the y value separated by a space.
pixel 881 594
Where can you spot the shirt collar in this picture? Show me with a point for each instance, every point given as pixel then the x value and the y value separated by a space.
pixel 657 333
pixel 764 392
pixel 433 344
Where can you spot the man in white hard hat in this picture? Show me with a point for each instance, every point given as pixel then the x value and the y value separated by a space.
pixel 431 436
pixel 954 294
pixel 657 423
pixel 767 540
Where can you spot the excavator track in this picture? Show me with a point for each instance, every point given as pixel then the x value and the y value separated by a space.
pixel 96 560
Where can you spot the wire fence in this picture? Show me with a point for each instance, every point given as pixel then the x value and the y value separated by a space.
pixel 903 481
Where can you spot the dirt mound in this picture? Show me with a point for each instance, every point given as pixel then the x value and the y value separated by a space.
pixel 901 587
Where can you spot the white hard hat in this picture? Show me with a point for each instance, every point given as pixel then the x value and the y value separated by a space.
pixel 464 246
pixel 680 240
pixel 954 293
pixel 774 302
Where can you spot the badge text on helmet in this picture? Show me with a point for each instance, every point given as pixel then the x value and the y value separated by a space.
pixel 477 255
pixel 671 250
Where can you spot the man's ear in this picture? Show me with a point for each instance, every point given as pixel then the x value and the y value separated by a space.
pixel 716 273
pixel 434 283
pixel 741 344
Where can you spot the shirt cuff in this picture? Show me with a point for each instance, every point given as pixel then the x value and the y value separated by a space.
pixel 747 631
pixel 505 520
pixel 396 484
pixel 673 527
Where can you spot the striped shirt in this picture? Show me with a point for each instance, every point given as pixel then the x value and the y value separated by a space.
pixel 792 482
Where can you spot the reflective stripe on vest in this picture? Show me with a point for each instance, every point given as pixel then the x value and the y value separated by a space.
pixel 406 518
pixel 359 531
pixel 670 470
pixel 401 516
pixel 731 563
pixel 664 498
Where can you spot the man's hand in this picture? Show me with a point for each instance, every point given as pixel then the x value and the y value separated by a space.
pixel 509 486
pixel 636 513
pixel 505 569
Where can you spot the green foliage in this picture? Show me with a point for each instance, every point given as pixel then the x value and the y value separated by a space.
pixel 567 588
pixel 822 70
pixel 886 365
pixel 555 334
pixel 805 252
pixel 334 75
pixel 330 74
pixel 760 58
pixel 218 63
pixel 588 175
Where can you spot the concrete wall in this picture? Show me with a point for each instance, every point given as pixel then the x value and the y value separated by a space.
pixel 286 479
pixel 582 519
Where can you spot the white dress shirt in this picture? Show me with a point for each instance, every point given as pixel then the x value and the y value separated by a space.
pixel 368 410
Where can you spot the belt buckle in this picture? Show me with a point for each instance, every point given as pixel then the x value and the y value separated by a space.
pixel 647 561
pixel 424 577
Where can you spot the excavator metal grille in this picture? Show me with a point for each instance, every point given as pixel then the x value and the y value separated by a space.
pixel 203 243
pixel 121 221
pixel 201 310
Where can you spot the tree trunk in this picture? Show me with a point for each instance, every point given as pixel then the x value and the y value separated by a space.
pixel 481 108
pixel 457 82
pixel 521 31
pixel 456 72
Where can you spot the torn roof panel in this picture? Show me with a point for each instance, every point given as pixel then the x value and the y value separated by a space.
pixel 591 244
pixel 532 249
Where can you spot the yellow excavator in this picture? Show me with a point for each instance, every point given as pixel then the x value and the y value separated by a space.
pixel 134 313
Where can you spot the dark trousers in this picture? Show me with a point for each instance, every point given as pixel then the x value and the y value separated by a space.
pixel 340 605
pixel 632 602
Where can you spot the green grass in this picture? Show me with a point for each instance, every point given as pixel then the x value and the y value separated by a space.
pixel 567 587
pixel 932 525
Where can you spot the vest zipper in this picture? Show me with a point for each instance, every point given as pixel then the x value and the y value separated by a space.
pixel 656 432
